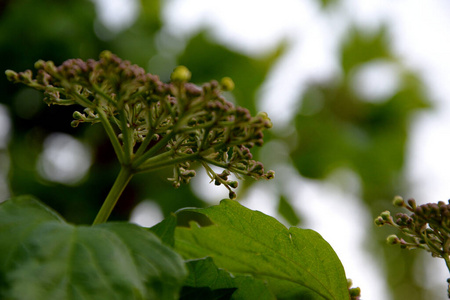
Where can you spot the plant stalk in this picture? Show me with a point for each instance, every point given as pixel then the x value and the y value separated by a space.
pixel 121 182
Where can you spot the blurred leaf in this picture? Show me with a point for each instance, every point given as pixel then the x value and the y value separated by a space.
pixel 242 241
pixel 287 211
pixel 338 129
pixel 327 3
pixel 362 46
pixel 208 60
pixel 43 257
pixel 165 230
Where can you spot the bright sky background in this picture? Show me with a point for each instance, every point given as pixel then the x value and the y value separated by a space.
pixel 420 36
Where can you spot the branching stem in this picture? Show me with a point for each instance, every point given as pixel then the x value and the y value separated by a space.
pixel 111 134
pixel 121 182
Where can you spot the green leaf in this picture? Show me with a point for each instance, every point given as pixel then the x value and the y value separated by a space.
pixel 295 262
pixel 287 211
pixel 43 257
pixel 204 273
pixel 165 230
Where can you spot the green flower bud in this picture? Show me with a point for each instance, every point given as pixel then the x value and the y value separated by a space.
pixel 74 123
pixel 379 221
pixel 385 215
pixel 412 203
pixel 232 195
pixel 11 75
pixel 106 54
pixel 40 64
pixel 349 282
pixel 227 84
pixel 233 184
pixel 393 239
pixel 267 122
pixel 77 115
pixel 355 292
pixel 270 175
pixel 180 74
pixel 398 201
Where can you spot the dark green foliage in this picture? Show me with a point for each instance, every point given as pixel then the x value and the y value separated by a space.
pixel 43 257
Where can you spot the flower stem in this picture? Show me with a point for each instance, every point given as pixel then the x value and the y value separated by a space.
pixel 111 134
pixel 121 182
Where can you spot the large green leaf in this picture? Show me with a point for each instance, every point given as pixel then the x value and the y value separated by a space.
pixel 43 257
pixel 204 273
pixel 295 262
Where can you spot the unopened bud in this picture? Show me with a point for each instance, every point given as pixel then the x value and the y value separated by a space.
pixel 233 184
pixel 11 75
pixel 270 175
pixel 349 282
pixel 267 122
pixel 412 203
pixel 385 215
pixel 392 239
pixel 40 64
pixel 180 74
pixel 355 292
pixel 106 54
pixel 77 115
pixel 232 195
pixel 398 201
pixel 379 221
pixel 227 84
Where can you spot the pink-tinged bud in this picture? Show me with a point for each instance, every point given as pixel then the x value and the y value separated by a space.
pixel 393 239
pixel 270 175
pixel 379 221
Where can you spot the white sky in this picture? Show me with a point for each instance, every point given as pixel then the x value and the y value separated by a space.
pixel 421 37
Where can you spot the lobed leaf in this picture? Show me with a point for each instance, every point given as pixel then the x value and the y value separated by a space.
pixel 295 262
pixel 43 257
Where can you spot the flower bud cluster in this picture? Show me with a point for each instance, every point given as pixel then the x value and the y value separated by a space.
pixel 153 124
pixel 426 227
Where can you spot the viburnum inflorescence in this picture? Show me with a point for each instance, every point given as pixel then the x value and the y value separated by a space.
pixel 152 124
pixel 427 227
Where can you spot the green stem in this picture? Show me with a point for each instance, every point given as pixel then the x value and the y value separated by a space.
pixel 145 143
pixel 447 261
pixel 127 143
pixel 166 163
pixel 121 182
pixel 152 151
pixel 105 96
pixel 111 134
